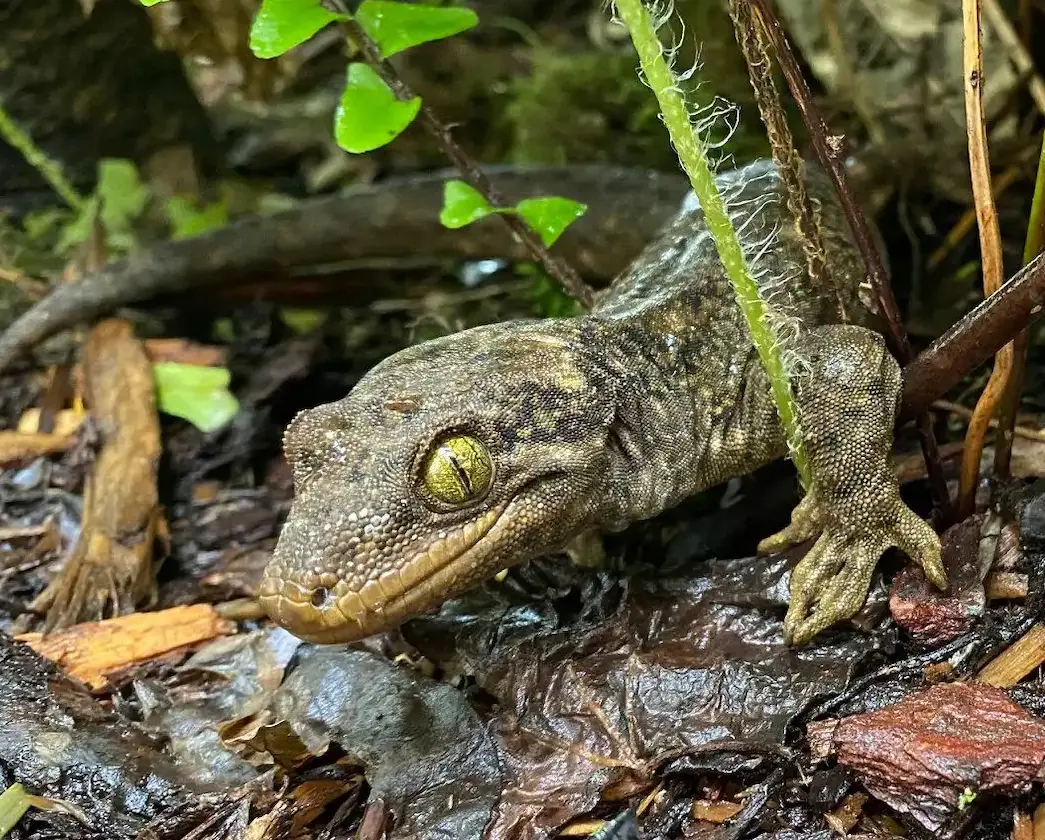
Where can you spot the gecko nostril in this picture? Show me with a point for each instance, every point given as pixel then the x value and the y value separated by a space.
pixel 320 597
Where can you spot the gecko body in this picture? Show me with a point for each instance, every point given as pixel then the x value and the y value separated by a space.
pixel 477 451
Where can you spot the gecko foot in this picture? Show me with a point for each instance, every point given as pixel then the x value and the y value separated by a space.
pixel 831 582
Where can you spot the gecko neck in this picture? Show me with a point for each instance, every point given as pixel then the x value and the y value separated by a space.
pixel 651 452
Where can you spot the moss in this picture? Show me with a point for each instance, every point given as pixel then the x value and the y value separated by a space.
pixel 591 106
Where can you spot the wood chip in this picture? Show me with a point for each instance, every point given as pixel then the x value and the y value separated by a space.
pixel 90 652
pixel 1039 823
pixel 17 446
pixel 1017 660
pixel 715 812
pixel 66 421
pixel 844 818
pixel 1006 585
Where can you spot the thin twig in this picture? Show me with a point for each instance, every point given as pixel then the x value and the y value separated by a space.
pixel 752 41
pixel 959 410
pixel 990 251
pixel 49 169
pixel 470 171
pixel 827 149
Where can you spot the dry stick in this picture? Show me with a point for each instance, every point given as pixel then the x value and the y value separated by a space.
pixel 990 251
pixel 970 342
pixel 959 410
pixel 827 149
pixel 752 43
pixel 476 178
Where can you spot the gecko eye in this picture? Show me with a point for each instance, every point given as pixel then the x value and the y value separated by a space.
pixel 457 470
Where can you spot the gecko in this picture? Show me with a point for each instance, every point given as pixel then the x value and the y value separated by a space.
pixel 464 455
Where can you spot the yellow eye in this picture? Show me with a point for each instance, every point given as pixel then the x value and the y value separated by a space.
pixel 458 470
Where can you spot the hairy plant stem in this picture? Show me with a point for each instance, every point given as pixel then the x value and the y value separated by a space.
pixel 693 157
pixel 39 160
pixel 556 268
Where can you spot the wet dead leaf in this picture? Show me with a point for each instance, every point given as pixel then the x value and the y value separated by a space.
pixel 680 664
pixel 427 753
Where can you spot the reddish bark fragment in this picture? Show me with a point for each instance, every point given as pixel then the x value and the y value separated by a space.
pixel 933 617
pixel 921 754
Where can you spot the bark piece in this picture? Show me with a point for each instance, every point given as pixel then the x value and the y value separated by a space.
pixel 91 652
pixel 110 569
pixel 935 751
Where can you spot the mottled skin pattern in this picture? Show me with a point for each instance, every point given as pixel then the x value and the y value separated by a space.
pixel 595 422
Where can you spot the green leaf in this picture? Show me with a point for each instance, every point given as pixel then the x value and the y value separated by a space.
pixel 123 194
pixel 41 223
pixel 281 25
pixel 120 197
pixel 549 300
pixel 224 330
pixel 399 26
pixel 302 321
pixel 195 393
pixel 188 220
pixel 462 205
pixel 79 228
pixel 550 216
pixel 369 116
pixel 14 802
pixel 152 2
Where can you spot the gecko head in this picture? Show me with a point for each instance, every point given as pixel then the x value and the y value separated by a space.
pixel 448 462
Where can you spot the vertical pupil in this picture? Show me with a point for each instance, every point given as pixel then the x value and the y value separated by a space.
pixel 458 467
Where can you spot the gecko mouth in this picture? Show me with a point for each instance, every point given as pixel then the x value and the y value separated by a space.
pixel 425 580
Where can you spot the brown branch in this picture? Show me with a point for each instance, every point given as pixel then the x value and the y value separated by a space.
pixel 470 171
pixel 827 149
pixel 974 339
pixel 990 252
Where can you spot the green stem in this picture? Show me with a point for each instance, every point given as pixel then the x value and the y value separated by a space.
pixel 14 802
pixel 693 157
pixel 39 160
pixel 1036 226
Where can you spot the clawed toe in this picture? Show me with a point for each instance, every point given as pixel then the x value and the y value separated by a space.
pixel 830 584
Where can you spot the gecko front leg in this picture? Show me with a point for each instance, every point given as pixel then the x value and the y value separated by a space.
pixel 847 400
